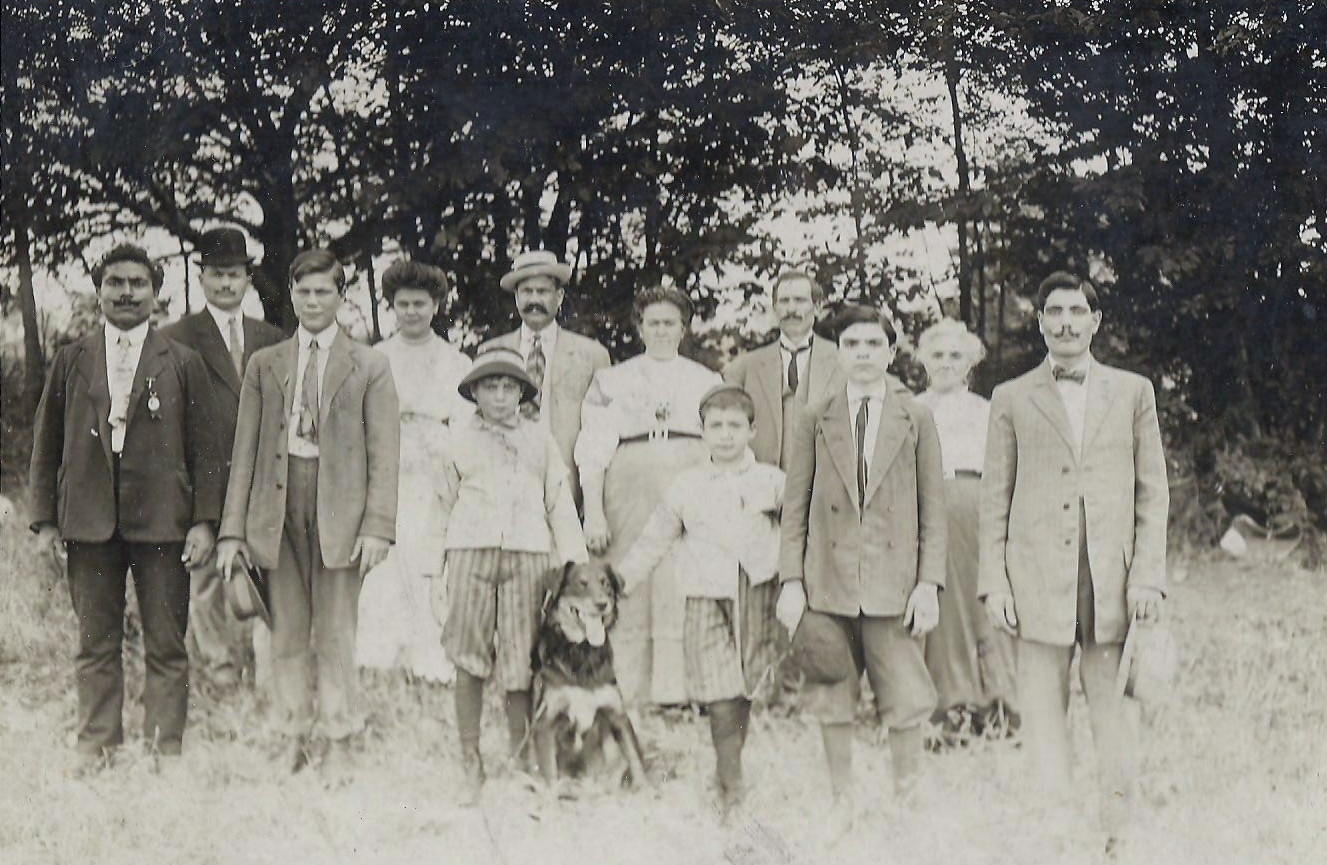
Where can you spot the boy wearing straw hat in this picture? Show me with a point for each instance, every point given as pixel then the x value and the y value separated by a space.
pixel 510 517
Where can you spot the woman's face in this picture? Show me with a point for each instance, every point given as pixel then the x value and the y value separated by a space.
pixel 947 363
pixel 661 330
pixel 414 308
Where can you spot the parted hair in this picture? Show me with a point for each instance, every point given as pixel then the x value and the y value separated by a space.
pixel 1064 279
pixel 661 294
pixel 414 275
pixel 728 396
pixel 860 313
pixel 128 252
pixel 318 261
pixel 794 274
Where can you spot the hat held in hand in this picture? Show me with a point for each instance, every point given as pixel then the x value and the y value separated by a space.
pixel 246 593
pixel 1147 663
pixel 820 649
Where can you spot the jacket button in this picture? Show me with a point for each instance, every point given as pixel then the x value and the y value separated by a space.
pixel 278 485
pixel 1064 470
pixel 1068 542
pixel 834 509
pixel 1066 506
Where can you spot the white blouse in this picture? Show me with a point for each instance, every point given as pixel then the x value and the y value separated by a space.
pixel 960 418
pixel 426 374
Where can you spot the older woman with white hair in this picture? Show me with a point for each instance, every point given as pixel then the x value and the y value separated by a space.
pixel 971 663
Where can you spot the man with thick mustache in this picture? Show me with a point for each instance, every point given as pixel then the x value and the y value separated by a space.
pixel 1073 537
pixel 562 363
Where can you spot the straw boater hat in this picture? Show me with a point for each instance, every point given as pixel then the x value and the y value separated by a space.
pixel 223 247
pixel 1147 663
pixel 536 262
pixel 498 361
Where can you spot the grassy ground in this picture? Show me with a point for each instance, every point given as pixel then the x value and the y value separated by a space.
pixel 1235 767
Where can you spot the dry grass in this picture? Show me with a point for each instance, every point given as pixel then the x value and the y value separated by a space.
pixel 1236 768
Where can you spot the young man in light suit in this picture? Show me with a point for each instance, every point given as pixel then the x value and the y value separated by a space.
pixel 312 499
pixel 1073 536
pixel 783 375
pixel 561 362
pixel 226 339
pixel 862 555
pixel 126 474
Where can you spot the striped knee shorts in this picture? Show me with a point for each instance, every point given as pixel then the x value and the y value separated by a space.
pixel 493 612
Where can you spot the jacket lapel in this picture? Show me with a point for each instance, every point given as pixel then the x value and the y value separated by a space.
pixel 150 365
pixel 564 357
pixel 213 349
pixel 91 365
pixel 895 424
pixel 339 365
pixel 837 430
pixel 286 363
pixel 1100 392
pixel 1047 400
pixel 824 366
pixel 768 363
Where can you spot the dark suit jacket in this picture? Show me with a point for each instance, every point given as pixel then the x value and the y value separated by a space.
pixel 864 562
pixel 359 447
pixel 170 473
pixel 199 332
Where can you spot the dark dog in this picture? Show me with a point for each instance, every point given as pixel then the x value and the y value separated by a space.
pixel 577 703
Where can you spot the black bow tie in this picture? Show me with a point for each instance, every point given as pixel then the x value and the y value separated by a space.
pixel 1077 376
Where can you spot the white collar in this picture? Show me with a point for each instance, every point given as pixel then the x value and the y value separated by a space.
pixel 222 317
pixel 136 334
pixel 548 337
pixel 789 346
pixel 872 391
pixel 745 463
pixel 324 338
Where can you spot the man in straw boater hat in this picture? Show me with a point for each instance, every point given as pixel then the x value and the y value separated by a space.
pixel 1073 538
pixel 225 338
pixel 509 517
pixel 561 363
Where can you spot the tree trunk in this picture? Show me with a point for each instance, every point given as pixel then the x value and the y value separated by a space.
pixel 34 361
pixel 279 236
pixel 373 293
pixel 952 75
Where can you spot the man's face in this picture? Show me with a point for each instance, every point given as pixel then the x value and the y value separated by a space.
pixel 414 308
pixel 126 295
pixel 795 308
pixel 727 433
pixel 538 299
pixel 316 300
pixel 865 352
pixel 224 287
pixel 498 397
pixel 1068 324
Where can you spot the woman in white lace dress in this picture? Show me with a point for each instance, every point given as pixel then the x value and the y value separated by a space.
pixel 640 426
pixel 397 628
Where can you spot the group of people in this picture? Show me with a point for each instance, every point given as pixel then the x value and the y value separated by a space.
pixel 405 501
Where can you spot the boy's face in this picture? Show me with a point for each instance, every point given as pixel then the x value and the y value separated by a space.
pixel 865 352
pixel 126 295
pixel 727 433
pixel 316 299
pixel 224 287
pixel 498 397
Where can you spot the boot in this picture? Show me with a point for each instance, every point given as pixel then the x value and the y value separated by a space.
pixel 472 764
pixel 905 747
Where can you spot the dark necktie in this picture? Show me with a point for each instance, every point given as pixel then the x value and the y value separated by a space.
pixel 794 353
pixel 236 349
pixel 308 405
pixel 534 365
pixel 1077 376
pixel 861 453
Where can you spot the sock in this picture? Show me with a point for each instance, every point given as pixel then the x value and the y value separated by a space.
pixel 905 747
pixel 517 704
pixel 838 756
pixel 469 709
pixel 727 730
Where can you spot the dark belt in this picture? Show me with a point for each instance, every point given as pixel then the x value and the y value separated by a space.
pixel 661 435
pixel 967 473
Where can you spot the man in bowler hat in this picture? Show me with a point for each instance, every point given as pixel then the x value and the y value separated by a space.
pixel 226 339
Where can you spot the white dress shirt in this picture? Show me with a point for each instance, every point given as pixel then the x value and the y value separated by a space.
pixel 1074 397
pixel 301 447
pixel 786 348
pixel 223 320
pixel 124 348
pixel 874 394
pixel 548 341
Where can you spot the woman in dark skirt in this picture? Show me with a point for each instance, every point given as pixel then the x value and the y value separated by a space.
pixel 971 663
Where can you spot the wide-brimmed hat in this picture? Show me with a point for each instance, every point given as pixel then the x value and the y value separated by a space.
pixel 820 649
pixel 246 593
pixel 499 361
pixel 223 247
pixel 536 262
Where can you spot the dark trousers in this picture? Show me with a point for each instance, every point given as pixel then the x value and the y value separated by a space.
pixel 97 581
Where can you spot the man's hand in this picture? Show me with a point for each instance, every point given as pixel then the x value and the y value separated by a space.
pixel 1144 604
pixel 1000 610
pixel 597 537
pixel 791 605
pixel 370 551
pixel 51 547
pixel 197 546
pixel 923 611
pixel 230 550
pixel 438 597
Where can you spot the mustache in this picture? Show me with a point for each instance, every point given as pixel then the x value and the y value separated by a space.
pixel 535 306
pixel 1065 331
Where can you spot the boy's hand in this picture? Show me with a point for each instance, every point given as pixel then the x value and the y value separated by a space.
pixel 370 551
pixel 228 551
pixel 597 537
pixel 791 605
pixel 1000 610
pixel 1144 604
pixel 51 547
pixel 923 611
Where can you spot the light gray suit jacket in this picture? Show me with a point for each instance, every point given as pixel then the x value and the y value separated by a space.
pixel 1033 481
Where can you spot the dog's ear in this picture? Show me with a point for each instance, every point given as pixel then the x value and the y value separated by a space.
pixel 554 580
pixel 613 580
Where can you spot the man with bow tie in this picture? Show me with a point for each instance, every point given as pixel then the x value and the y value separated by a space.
pixel 225 338
pixel 1073 537
pixel 126 475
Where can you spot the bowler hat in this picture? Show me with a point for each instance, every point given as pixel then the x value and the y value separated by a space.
pixel 498 361
pixel 820 649
pixel 223 247
pixel 535 262
pixel 1147 662
pixel 246 593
